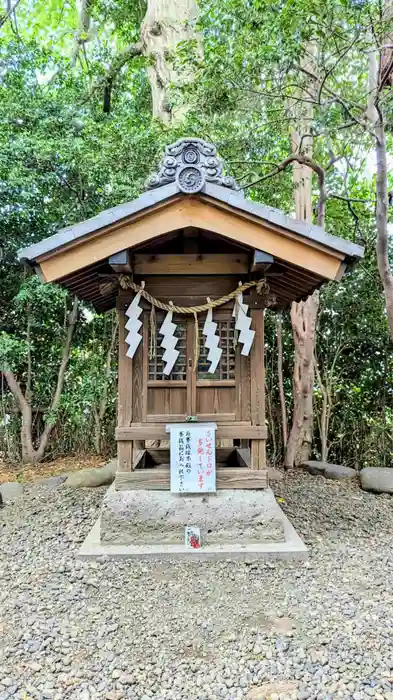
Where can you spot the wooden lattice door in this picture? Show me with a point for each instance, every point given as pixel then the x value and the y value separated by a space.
pixel 221 396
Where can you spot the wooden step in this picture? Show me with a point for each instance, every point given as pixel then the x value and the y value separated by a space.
pixel 159 479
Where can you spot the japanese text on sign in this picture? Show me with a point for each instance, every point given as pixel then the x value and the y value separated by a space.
pixel 193 459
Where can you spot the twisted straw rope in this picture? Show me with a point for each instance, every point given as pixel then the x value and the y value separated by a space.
pixel 127 283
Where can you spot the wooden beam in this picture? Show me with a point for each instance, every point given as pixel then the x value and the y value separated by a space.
pixel 180 418
pixel 159 479
pixel 254 300
pixel 261 261
pixel 199 212
pixel 120 262
pixel 125 455
pixel 191 264
pixel 156 431
pixel 257 364
pixel 161 455
pixel 257 371
pixel 243 457
pixel 258 454
pixel 190 237
pixel 124 397
pixel 139 460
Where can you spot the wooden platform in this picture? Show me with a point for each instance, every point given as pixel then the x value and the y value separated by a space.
pixel 151 431
pixel 159 479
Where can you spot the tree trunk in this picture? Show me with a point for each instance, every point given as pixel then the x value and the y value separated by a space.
pixel 303 314
pixel 284 421
pixel 304 318
pixel 166 24
pixel 82 34
pixel 382 208
pixel 379 73
pixel 27 447
pixel 97 433
pixel 309 317
pixel 29 454
pixel 271 424
pixel 51 420
pixel 324 415
pixel 99 411
pixel 302 175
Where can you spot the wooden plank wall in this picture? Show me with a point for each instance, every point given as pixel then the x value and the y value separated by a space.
pixel 159 479
pixel 133 383
pixel 125 397
pixel 257 367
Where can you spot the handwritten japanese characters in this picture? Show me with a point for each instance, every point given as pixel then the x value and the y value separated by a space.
pixel 193 459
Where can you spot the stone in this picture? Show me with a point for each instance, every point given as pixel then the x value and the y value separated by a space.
pixel 142 517
pixel 339 473
pixel 187 630
pixel 127 679
pixel 35 666
pixel 313 467
pixel 377 479
pixel 330 471
pixel 10 491
pixel 97 476
pixel 283 625
pixel 52 482
pixel 274 474
pixel 266 690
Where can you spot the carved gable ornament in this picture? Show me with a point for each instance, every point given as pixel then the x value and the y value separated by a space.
pixel 190 163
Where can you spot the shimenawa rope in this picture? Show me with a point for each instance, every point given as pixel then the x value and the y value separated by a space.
pixel 126 283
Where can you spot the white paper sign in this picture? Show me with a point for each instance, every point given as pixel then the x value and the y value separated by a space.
pixel 193 457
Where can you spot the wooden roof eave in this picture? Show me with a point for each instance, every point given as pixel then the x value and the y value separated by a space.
pixel 212 194
pixel 77 256
pixel 283 244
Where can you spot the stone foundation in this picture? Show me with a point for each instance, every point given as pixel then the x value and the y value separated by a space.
pixel 158 518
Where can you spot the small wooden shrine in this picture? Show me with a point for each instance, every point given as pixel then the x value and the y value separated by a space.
pixel 191 266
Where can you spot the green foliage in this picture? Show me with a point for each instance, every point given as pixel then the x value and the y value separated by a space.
pixel 12 351
pixel 63 160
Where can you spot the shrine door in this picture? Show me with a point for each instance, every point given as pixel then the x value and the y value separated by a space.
pixel 189 391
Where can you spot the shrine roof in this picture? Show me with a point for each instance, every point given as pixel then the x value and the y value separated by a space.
pixel 190 173
pixel 163 187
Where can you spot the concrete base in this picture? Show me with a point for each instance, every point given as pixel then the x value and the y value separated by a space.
pixel 143 517
pixel 234 518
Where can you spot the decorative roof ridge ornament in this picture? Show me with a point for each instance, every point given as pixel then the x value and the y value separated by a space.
pixel 190 162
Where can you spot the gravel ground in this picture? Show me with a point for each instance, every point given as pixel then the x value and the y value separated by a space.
pixel 108 629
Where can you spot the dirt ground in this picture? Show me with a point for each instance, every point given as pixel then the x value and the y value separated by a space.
pixel 19 472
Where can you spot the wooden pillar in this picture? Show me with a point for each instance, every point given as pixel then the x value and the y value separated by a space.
pixel 124 400
pixel 257 378
pixel 140 372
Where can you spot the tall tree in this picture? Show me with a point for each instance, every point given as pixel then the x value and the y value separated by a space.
pixel 303 314
pixel 166 25
pixel 17 362
pixel 379 102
